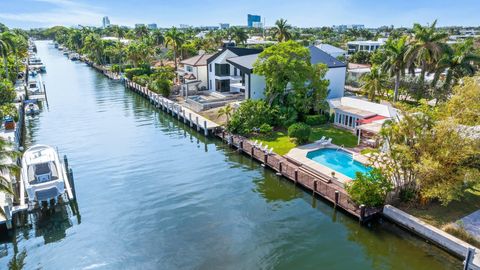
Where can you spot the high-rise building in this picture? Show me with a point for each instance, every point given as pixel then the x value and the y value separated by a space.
pixel 252 19
pixel 224 25
pixel 152 26
pixel 105 22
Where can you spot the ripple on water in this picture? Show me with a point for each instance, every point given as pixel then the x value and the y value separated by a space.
pixel 153 194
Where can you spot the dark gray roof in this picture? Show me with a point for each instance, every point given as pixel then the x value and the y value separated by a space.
pixel 318 56
pixel 244 63
pixel 237 51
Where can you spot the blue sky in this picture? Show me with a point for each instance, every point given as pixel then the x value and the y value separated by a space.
pixel 42 13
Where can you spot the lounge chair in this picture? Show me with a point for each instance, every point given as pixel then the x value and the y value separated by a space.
pixel 260 145
pixel 327 142
pixel 270 151
pixel 321 140
pixel 265 149
pixel 255 143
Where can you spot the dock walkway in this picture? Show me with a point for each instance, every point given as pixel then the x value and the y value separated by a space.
pixel 319 184
pixel 176 110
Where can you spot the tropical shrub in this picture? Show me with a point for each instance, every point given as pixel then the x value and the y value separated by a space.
pixel 161 86
pixel 251 114
pixel 9 109
pixel 300 132
pixel 370 189
pixel 315 120
pixel 143 80
pixel 116 68
pixel 265 128
pixel 131 72
pixel 7 92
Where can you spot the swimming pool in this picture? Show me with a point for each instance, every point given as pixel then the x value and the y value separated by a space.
pixel 338 160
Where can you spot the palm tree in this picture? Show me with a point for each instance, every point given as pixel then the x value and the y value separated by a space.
pixel 94 47
pixel 138 53
pixel 282 30
pixel 374 83
pixel 141 31
pixel 6 154
pixel 7 44
pixel 426 49
pixel 158 38
pixel 227 111
pixel 238 34
pixel 457 62
pixel 395 50
pixel 174 38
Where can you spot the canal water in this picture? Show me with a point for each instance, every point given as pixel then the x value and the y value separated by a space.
pixel 153 194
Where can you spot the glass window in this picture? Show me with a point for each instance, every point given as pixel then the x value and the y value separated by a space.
pixel 222 69
pixel 210 67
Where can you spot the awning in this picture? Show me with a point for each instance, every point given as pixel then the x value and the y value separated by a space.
pixel 370 119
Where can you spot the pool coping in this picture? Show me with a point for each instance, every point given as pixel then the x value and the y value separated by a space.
pixel 299 154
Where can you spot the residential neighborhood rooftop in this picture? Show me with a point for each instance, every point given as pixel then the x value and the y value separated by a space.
pixel 198 60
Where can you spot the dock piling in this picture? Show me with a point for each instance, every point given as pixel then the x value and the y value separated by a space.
pixel 205 129
pixel 336 198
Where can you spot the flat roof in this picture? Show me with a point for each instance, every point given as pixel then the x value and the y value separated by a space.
pixel 356 111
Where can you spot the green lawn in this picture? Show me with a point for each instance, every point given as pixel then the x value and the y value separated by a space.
pixel 438 215
pixel 281 143
pixel 339 136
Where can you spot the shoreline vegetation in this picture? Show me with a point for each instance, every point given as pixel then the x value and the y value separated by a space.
pixel 433 149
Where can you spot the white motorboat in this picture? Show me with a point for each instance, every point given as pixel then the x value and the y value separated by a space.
pixel 43 175
pixel 34 88
pixel 73 56
pixel 32 109
pixel 35 63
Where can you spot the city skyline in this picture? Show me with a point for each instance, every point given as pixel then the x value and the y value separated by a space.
pixel 306 13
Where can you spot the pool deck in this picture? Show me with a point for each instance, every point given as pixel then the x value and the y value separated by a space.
pixel 299 155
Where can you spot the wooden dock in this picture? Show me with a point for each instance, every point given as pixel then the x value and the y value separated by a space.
pixel 182 113
pixel 320 185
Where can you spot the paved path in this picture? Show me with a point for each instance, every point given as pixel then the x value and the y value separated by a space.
pixel 471 223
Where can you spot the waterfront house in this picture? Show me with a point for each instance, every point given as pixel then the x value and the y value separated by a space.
pixel 253 85
pixel 363 117
pixel 223 76
pixel 364 45
pixel 193 71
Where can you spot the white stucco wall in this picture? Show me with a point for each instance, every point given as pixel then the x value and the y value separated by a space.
pixel 202 75
pixel 336 76
pixel 257 86
pixel 221 59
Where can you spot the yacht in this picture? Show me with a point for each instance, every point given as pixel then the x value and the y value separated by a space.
pixel 43 175
pixel 31 109
pixel 34 88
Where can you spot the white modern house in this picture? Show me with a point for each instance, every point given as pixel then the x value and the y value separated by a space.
pixel 193 71
pixel 222 76
pixel 363 117
pixel 332 50
pixel 364 45
pixel 254 85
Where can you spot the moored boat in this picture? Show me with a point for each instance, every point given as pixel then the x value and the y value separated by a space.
pixel 35 63
pixel 33 88
pixel 31 109
pixel 43 175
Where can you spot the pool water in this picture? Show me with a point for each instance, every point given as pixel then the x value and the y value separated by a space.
pixel 338 160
